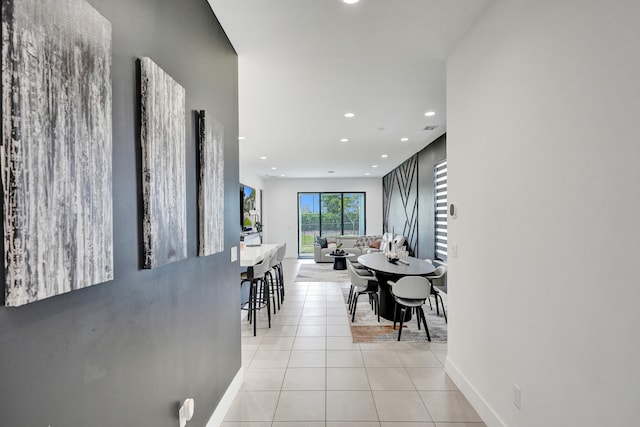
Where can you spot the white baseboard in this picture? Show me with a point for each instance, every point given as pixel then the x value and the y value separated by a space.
pixel 225 403
pixel 488 415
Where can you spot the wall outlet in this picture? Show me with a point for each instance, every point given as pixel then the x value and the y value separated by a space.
pixel 234 254
pixel 454 250
pixel 517 396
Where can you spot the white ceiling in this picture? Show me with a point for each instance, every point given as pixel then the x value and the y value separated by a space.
pixel 303 64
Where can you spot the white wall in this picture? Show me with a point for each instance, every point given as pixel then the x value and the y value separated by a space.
pixel 544 162
pixel 280 205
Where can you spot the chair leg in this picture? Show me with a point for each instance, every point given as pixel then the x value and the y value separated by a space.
pixel 281 274
pixel 395 314
pixel 275 289
pixel 443 310
pixel 426 328
pixel 275 292
pixel 276 276
pixel 266 289
pixel 377 303
pixel 355 306
pixel 254 302
pixel 249 305
pixel 269 286
pixel 402 313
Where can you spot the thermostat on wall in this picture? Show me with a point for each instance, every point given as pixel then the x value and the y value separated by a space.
pixel 453 210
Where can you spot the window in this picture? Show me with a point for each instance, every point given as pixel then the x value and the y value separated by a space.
pixel 440 185
pixel 328 214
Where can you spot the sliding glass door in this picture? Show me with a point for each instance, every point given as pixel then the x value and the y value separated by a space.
pixel 327 215
pixel 308 222
pixel 353 214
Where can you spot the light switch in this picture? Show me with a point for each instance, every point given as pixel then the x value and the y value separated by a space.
pixel 234 254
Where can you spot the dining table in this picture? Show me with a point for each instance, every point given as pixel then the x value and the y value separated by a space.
pixel 386 270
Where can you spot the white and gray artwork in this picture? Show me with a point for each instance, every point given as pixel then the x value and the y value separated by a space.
pixel 211 185
pixel 162 136
pixel 57 144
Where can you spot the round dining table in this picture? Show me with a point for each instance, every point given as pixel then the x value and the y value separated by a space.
pixel 386 270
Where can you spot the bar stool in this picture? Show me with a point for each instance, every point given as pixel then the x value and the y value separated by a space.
pixel 282 251
pixel 274 279
pixel 258 291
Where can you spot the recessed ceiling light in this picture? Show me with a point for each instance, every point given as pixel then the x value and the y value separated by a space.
pixel 241 138
pixel 384 156
pixel 430 113
pixel 274 168
pixel 344 140
pixel 331 171
pixel 367 173
pixel 404 139
pixel 349 115
pixel 263 157
pixel 350 1
pixel 282 174
pixel 374 166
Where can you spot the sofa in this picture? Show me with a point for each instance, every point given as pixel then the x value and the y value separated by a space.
pixel 356 245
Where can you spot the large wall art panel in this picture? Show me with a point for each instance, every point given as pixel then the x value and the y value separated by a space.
pixel 210 185
pixel 162 136
pixel 57 148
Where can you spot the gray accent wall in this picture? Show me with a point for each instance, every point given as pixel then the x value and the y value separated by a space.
pixel 428 157
pixel 126 352
pixel 409 198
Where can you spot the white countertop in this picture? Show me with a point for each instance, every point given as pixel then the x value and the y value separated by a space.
pixel 251 255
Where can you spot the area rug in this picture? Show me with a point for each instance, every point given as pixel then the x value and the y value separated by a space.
pixel 322 272
pixel 365 328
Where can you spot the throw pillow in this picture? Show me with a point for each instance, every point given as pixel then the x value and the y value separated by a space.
pixel 376 244
pixel 332 245
pixel 360 242
pixel 321 241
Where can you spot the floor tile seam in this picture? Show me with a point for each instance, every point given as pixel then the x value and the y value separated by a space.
pixel 405 371
pixel 430 420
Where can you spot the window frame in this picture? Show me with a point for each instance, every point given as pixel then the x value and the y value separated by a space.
pixel 440 205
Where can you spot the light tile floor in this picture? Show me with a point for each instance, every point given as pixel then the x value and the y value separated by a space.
pixel 306 371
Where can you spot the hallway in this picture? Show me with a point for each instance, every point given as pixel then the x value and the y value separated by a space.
pixel 306 371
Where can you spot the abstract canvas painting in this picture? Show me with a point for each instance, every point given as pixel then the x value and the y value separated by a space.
pixel 210 185
pixel 56 148
pixel 162 135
